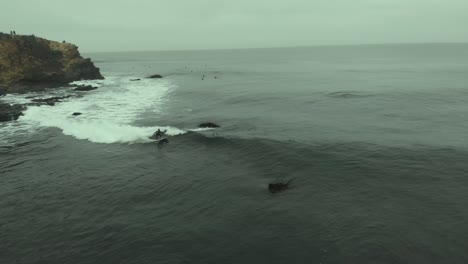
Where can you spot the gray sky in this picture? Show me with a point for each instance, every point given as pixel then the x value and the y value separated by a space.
pixel 117 25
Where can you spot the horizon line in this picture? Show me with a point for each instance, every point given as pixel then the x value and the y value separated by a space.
pixel 286 47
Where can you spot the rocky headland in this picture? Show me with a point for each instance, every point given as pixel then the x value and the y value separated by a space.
pixel 30 63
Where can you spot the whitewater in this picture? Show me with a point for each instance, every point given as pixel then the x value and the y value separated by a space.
pixel 108 113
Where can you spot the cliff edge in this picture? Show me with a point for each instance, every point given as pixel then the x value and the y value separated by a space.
pixel 29 63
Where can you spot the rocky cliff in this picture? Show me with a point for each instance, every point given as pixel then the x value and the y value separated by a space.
pixel 29 63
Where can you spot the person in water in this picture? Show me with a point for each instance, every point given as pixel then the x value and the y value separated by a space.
pixel 159 133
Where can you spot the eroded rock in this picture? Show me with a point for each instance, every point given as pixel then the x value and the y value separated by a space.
pixel 10 112
pixel 29 63
pixel 155 76
pixel 208 125
pixel 49 101
pixel 85 88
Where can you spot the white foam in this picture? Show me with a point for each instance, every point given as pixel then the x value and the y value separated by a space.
pixel 97 83
pixel 108 113
pixel 201 129
pixel 11 130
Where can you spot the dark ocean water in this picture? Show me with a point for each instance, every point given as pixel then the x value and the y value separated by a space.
pixel 375 138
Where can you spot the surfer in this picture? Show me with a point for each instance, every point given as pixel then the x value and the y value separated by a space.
pixel 279 186
pixel 158 134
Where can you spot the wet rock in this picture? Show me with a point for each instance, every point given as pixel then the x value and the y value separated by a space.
pixel 49 101
pixel 155 76
pixel 10 112
pixel 208 125
pixel 85 88
pixel 278 186
pixel 76 114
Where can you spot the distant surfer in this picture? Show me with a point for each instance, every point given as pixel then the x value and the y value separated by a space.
pixel 279 186
pixel 158 134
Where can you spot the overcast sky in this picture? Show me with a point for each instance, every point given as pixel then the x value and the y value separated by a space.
pixel 118 25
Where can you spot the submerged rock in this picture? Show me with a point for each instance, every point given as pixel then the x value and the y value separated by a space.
pixel 76 114
pixel 278 186
pixel 85 88
pixel 134 80
pixel 10 112
pixel 208 125
pixel 29 63
pixel 155 76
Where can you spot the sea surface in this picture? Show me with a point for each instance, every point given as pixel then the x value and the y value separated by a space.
pixel 374 137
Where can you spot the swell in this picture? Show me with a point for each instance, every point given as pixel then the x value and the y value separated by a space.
pixel 342 192
pixel 284 159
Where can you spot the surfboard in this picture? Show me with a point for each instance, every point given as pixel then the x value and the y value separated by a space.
pixel 153 137
pixel 156 139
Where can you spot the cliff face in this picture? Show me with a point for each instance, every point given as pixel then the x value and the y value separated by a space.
pixel 29 63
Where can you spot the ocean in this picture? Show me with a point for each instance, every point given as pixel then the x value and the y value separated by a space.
pixel 374 137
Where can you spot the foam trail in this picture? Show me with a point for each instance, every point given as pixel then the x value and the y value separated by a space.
pixel 97 130
pixel 108 113
pixel 200 129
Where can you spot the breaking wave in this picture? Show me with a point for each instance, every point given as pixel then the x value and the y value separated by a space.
pixel 108 113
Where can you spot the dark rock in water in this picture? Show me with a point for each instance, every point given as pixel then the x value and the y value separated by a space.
pixel 2 93
pixel 10 112
pixel 30 63
pixel 49 101
pixel 133 80
pixel 208 125
pixel 85 88
pixel 155 76
pixel 278 186
pixel 76 114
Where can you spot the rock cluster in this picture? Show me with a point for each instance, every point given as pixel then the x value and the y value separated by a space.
pixel 10 112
